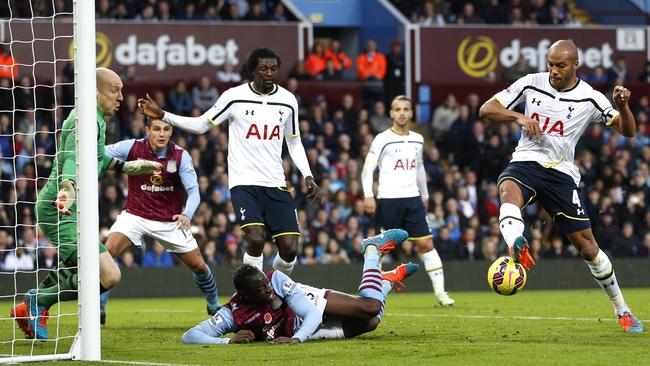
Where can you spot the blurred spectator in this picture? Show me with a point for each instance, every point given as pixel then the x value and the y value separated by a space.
pixel 626 243
pixel 8 66
pixel 255 13
pixel 394 83
pixel 204 95
pixel 371 67
pixel 19 260
pixel 299 71
pixel 618 73
pixel 496 12
pixel 379 121
pixel 598 76
pixel 163 13
pixel 279 14
pixel 469 16
pixel 156 256
pixel 443 117
pixel 316 62
pixel 429 15
pixel 644 77
pixel 228 74
pixel 48 258
pixel 179 99
pixel 518 70
pixel 339 58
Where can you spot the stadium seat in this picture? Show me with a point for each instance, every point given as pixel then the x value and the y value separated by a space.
pixel 423 113
pixel 424 94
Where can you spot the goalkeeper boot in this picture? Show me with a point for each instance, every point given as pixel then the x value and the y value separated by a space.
pixel 445 300
pixel 630 323
pixel 37 315
pixel 385 241
pixel 521 253
pixel 399 274
pixel 21 315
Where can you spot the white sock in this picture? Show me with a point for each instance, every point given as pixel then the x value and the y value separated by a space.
pixel 433 266
pixel 254 261
pixel 510 223
pixel 283 266
pixel 603 272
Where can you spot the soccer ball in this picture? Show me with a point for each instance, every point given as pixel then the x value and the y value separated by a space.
pixel 506 277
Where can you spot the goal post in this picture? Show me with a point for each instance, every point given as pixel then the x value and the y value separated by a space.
pixel 31 33
pixel 87 198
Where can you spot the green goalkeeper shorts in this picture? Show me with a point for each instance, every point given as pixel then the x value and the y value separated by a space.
pixel 61 231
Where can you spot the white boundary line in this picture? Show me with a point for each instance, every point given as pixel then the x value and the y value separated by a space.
pixel 416 315
pixel 143 363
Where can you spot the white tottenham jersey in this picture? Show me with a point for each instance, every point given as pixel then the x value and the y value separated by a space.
pixel 563 116
pixel 258 124
pixel 398 158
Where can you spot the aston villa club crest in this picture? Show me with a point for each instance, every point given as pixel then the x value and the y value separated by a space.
pixel 171 166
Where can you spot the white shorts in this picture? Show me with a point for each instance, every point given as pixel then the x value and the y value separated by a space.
pixel 330 328
pixel 168 234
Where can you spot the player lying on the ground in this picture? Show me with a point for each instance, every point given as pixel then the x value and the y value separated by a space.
pixel 160 205
pixel 273 308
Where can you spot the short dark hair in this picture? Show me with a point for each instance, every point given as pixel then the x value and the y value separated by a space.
pixel 401 98
pixel 243 275
pixel 257 54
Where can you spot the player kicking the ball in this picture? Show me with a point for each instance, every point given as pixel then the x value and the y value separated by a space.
pixel 271 307
pixel 261 116
pixel 559 107
pixel 161 205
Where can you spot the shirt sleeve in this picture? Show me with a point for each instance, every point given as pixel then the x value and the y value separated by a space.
pixel 211 331
pixel 369 166
pixel 286 288
pixel 604 112
pixel 190 182
pixel 120 150
pixel 515 93
pixel 220 111
pixel 422 177
pixel 291 129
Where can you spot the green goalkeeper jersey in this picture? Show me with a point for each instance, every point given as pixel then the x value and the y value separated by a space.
pixel 65 161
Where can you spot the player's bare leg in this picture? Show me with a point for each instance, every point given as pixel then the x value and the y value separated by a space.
pixel 511 223
pixel 255 235
pixel 203 278
pixel 433 267
pixel 287 252
pixel 116 244
pixel 603 272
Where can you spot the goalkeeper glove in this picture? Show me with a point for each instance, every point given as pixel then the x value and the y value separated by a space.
pixel 65 198
pixel 137 167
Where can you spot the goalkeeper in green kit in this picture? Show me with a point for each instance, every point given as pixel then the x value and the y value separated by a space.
pixel 56 210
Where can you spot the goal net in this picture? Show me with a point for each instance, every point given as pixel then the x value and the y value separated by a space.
pixel 47 68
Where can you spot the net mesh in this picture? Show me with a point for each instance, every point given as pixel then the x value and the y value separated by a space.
pixel 36 94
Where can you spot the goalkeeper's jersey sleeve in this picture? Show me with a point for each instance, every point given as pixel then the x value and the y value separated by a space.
pixel 65 160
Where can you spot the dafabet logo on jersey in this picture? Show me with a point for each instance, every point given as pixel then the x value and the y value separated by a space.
pixel 477 56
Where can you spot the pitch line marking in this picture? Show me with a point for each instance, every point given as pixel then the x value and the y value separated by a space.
pixel 416 315
pixel 144 363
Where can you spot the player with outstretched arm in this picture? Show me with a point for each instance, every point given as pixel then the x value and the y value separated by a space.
pixel 261 115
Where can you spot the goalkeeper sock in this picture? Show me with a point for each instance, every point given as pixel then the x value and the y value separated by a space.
pixel 603 272
pixel 103 299
pixel 66 290
pixel 282 265
pixel 205 281
pixel 371 283
pixel 433 266
pixel 254 261
pixel 510 223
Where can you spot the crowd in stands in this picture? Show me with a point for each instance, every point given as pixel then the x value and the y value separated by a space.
pixel 463 158
pixel 519 12
pixel 154 10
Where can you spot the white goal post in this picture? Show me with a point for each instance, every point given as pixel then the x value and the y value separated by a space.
pixel 82 340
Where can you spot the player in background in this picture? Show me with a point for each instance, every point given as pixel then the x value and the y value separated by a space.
pixel 402 196
pixel 161 206
pixel 56 210
pixel 559 108
pixel 271 307
pixel 262 115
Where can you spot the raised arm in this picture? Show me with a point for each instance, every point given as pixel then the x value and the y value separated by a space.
pixel 196 125
pixel 624 123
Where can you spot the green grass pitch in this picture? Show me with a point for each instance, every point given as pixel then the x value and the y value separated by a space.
pixel 567 327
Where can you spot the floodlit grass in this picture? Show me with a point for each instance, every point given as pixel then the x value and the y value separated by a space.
pixel 568 327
